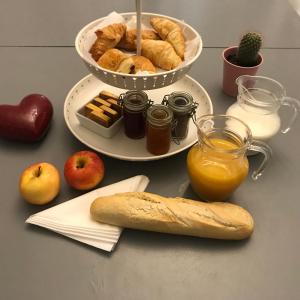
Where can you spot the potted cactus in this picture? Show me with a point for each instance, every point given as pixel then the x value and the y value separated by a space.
pixel 242 60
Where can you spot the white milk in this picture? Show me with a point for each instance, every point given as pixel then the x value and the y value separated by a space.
pixel 263 126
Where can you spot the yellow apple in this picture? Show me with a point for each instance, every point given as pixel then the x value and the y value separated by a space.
pixel 40 183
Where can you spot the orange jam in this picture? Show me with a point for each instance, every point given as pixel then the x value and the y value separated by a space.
pixel 214 171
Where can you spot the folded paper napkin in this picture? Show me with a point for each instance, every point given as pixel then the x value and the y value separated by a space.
pixel 72 218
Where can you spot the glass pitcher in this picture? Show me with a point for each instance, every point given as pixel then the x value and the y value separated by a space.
pixel 258 101
pixel 218 164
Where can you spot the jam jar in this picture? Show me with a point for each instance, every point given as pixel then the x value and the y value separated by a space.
pixel 135 104
pixel 159 127
pixel 183 108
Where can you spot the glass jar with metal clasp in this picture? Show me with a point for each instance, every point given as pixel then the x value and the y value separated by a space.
pixel 135 105
pixel 183 108
pixel 159 126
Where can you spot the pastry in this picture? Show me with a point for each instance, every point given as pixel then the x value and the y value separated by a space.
pixel 113 114
pixel 111 59
pixel 99 101
pixel 90 107
pixel 107 38
pixel 161 54
pixel 128 41
pixel 116 60
pixel 112 99
pixel 108 95
pixel 115 105
pixel 142 63
pixel 170 32
pixel 105 112
pixel 145 211
pixel 127 66
pixel 134 64
pixel 100 118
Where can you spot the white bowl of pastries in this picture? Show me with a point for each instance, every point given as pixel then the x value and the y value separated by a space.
pixel 108 45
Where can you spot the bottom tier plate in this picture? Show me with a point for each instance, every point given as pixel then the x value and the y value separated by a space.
pixel 120 146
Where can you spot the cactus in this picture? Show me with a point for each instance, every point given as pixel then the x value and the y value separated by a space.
pixel 247 54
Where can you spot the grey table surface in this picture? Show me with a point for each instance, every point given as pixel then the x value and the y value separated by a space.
pixel 220 23
pixel 39 264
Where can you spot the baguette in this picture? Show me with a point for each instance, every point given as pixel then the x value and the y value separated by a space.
pixel 146 211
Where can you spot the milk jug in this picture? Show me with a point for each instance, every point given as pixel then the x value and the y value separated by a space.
pixel 258 101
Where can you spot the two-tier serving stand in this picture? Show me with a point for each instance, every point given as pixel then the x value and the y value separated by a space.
pixel 156 86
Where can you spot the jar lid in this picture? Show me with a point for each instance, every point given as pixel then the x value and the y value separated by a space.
pixel 180 102
pixel 159 114
pixel 134 100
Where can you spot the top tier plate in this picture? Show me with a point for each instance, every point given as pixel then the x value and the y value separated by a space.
pixel 133 81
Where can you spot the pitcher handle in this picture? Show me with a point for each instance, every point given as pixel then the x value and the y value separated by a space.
pixel 294 104
pixel 265 149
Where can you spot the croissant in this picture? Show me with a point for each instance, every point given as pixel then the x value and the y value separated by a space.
pixel 161 54
pixel 128 41
pixel 142 63
pixel 170 32
pixel 134 64
pixel 111 59
pixel 107 38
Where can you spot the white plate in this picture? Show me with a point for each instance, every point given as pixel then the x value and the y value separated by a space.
pixel 120 146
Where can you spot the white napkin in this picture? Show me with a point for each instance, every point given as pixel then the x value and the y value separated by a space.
pixel 72 218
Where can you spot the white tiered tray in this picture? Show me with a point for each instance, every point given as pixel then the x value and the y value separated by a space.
pixel 132 81
pixel 120 146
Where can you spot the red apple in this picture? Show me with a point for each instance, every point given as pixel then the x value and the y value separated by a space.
pixel 27 121
pixel 84 170
pixel 39 183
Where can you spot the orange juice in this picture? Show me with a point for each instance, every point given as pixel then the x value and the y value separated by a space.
pixel 215 171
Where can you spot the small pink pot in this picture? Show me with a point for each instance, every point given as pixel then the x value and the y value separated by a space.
pixel 231 72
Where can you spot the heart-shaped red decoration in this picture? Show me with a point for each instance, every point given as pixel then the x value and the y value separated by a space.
pixel 27 121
